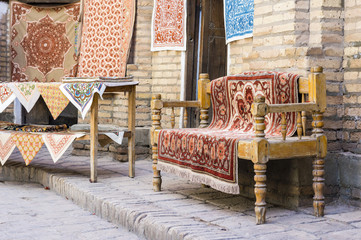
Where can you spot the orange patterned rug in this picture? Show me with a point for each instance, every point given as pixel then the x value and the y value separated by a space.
pixel 106 37
pixel 208 155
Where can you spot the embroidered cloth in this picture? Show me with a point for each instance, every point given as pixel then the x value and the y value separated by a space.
pixel 238 19
pixel 43 42
pixel 58 143
pixel 208 155
pixel 54 98
pixel 27 94
pixel 7 146
pixel 169 25
pixel 6 96
pixel 116 136
pixel 81 94
pixel 28 144
pixel 106 37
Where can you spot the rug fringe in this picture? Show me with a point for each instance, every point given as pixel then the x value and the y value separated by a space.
pixel 232 188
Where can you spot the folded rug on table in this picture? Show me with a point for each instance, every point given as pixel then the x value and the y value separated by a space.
pixel 34 128
pixel 208 155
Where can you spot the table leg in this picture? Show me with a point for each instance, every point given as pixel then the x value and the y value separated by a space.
pixel 94 139
pixel 131 127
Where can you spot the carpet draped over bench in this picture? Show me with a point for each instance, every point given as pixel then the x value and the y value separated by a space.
pixel 208 155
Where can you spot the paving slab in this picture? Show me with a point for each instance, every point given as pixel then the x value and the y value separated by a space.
pixel 182 210
pixel 28 211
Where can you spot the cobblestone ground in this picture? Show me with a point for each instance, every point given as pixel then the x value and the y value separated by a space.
pixel 182 210
pixel 28 211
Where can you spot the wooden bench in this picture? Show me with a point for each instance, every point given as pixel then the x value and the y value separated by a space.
pixel 260 148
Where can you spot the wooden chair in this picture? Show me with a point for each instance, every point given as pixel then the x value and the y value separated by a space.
pixel 260 149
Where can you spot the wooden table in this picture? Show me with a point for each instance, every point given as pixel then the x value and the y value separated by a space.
pixel 130 88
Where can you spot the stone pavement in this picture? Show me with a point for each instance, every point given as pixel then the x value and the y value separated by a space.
pixel 28 211
pixel 182 210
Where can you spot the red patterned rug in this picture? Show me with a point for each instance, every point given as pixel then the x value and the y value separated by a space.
pixel 169 25
pixel 209 155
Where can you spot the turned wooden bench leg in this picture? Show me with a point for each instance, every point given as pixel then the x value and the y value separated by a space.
pixel 157 178
pixel 260 190
pixel 318 186
pixel 260 155
pixel 156 106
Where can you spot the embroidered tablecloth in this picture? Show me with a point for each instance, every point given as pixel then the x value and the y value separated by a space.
pixel 28 94
pixel 81 94
pixel 208 155
pixel 29 143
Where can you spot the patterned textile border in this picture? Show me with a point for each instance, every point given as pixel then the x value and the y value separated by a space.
pixel 7 146
pixel 81 94
pixel 58 143
pixel 43 42
pixel 7 96
pixel 26 92
pixel 53 97
pixel 209 155
pixel 169 24
pixel 106 37
pixel 238 19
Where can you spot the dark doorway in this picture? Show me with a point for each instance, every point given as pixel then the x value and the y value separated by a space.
pixel 206 47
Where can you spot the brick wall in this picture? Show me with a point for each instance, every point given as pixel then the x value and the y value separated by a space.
pixel 7 114
pixel 4 48
pixel 352 78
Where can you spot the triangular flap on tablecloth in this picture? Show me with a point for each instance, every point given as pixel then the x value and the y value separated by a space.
pixel 54 98
pixel 27 93
pixel 58 143
pixel 28 144
pixel 7 146
pixel 116 136
pixel 81 94
pixel 7 96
